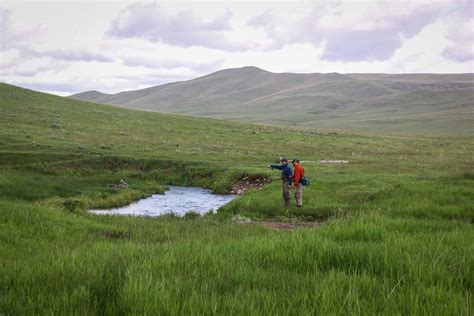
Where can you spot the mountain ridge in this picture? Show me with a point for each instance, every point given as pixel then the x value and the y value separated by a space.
pixel 387 102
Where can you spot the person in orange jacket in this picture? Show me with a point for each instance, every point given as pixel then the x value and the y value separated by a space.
pixel 298 175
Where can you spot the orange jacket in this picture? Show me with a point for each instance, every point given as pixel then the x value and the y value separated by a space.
pixel 298 174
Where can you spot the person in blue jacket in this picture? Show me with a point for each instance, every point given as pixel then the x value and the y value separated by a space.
pixel 286 178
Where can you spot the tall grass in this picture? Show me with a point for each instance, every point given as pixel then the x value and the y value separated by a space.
pixel 370 264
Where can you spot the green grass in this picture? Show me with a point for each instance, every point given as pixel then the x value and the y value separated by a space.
pixel 399 237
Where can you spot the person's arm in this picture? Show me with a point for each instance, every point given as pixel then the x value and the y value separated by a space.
pixel 279 167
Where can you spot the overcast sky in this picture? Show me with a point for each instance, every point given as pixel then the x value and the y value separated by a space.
pixel 66 47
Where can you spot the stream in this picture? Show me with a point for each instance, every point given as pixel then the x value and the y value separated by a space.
pixel 177 200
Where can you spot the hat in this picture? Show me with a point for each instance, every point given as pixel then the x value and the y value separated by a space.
pixel 283 159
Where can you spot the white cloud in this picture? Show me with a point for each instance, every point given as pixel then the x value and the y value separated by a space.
pixel 351 31
pixel 460 33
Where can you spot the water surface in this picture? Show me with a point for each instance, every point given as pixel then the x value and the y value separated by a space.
pixel 177 200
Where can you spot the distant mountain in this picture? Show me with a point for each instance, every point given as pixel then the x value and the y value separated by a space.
pixel 440 103
pixel 92 95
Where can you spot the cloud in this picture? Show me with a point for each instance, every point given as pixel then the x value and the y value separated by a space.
pixel 69 55
pixel 460 34
pixel 349 31
pixel 184 28
pixel 13 38
pixel 31 67
pixel 27 62
pixel 380 41
pixel 195 66
pixel 22 42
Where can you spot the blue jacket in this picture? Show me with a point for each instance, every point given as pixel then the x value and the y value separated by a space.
pixel 285 172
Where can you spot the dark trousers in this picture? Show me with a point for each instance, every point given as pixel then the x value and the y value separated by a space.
pixel 286 193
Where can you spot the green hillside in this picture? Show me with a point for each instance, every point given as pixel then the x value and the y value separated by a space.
pixel 426 103
pixel 395 231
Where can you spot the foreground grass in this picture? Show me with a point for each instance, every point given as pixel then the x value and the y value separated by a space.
pixel 57 263
pixel 398 239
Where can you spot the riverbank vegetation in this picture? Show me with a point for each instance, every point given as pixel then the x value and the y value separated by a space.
pixel 397 237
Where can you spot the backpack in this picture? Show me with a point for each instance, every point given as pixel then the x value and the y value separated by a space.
pixel 305 181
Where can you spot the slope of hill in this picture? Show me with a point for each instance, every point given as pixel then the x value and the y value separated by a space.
pixel 432 103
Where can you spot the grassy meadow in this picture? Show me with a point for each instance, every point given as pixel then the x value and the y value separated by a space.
pixel 397 236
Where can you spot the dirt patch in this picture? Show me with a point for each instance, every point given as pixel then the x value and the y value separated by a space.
pixel 248 182
pixel 284 226
pixel 112 234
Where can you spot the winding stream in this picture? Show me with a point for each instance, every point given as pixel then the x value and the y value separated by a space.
pixel 177 200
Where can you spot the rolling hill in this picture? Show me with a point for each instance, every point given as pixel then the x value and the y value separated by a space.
pixel 427 103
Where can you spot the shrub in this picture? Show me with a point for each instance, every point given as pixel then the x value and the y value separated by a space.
pixel 70 204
